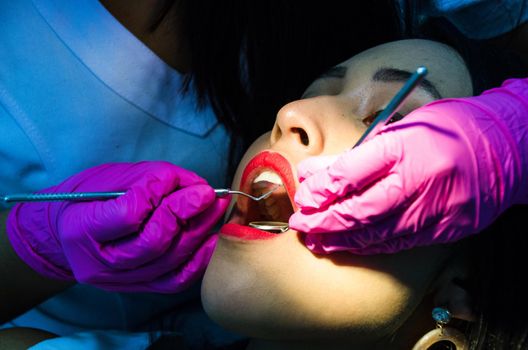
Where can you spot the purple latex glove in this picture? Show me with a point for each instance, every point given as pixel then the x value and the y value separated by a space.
pixel 444 172
pixel 157 237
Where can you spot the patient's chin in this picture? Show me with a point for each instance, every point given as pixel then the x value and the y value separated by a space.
pixel 240 294
pixel 228 298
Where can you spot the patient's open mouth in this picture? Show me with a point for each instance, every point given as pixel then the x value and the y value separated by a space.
pixel 259 220
pixel 276 207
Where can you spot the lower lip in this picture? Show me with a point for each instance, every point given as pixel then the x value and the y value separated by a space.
pixel 245 233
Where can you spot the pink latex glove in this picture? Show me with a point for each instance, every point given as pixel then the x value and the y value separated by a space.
pixel 444 172
pixel 157 237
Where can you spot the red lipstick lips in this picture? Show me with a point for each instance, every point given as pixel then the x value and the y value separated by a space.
pixel 247 210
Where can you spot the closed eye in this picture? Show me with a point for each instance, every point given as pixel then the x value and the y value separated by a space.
pixel 370 118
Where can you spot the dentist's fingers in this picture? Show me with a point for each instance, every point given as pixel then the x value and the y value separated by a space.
pixel 176 278
pixel 370 207
pixel 351 172
pixel 310 166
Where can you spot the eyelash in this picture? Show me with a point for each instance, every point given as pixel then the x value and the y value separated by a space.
pixel 370 118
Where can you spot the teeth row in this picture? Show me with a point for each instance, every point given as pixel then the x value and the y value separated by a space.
pixel 268 176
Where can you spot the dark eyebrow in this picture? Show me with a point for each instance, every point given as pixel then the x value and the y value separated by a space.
pixel 398 75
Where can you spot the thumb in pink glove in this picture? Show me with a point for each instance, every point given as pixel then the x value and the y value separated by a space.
pixel 156 237
pixel 444 172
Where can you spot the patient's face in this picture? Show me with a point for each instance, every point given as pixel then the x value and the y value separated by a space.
pixel 269 285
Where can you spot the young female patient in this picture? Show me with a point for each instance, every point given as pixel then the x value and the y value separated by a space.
pixel 269 286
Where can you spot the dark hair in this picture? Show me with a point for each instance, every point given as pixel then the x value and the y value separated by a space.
pixel 249 58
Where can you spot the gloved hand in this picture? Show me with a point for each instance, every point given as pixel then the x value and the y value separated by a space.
pixel 156 237
pixel 444 172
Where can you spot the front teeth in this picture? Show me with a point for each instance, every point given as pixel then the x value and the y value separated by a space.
pixel 268 176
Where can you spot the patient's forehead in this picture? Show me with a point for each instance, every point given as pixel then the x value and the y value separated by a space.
pixel 447 70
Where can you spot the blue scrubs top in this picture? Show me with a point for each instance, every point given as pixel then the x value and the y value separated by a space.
pixel 77 90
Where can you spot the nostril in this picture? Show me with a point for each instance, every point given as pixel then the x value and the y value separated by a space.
pixel 303 136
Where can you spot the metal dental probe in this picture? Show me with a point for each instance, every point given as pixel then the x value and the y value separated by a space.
pixel 222 192
pixel 395 104
pixel 84 196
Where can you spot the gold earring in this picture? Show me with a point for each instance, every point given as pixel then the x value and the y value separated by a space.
pixel 442 333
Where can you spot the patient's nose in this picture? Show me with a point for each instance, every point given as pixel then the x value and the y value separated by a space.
pixel 299 128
